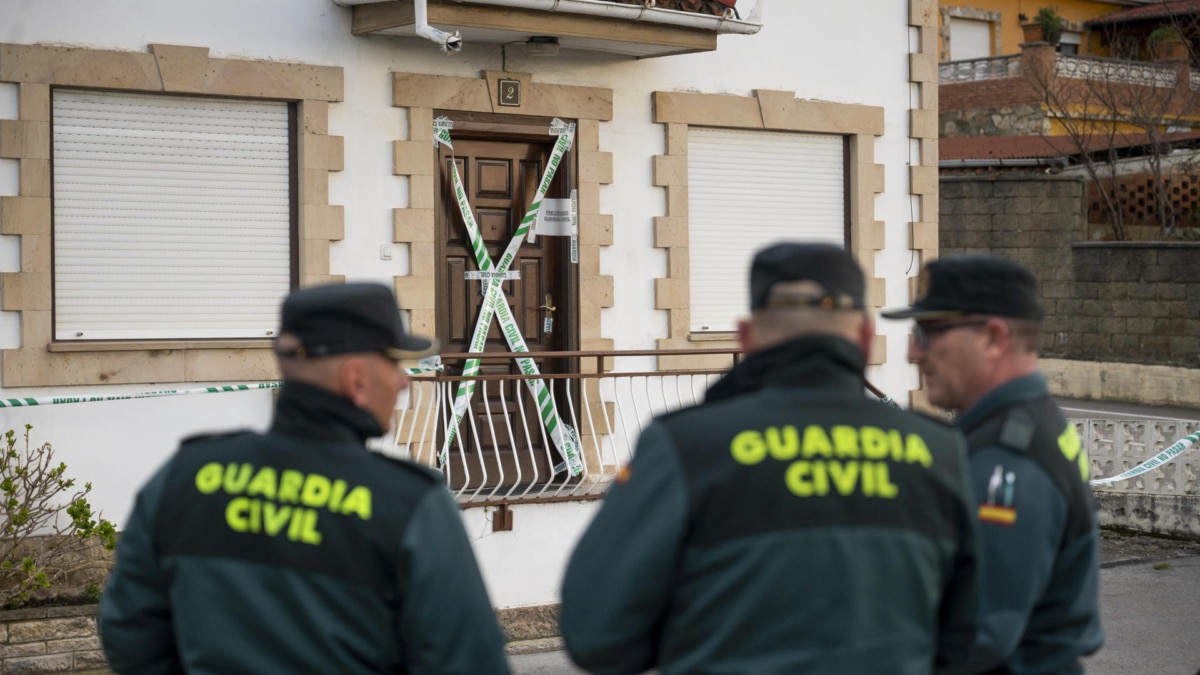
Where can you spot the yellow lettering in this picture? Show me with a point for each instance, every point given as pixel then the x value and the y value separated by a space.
pixel 316 490
pixel 358 502
pixel 816 442
pixel 748 448
pixel 883 483
pixel 820 479
pixel 339 491
pixel 915 451
pixel 845 439
pixel 263 483
pixel 309 533
pixel 795 479
pixel 845 477
pixel 236 516
pixel 208 478
pixel 289 486
pixel 297 524
pixel 236 477
pixel 874 443
pixel 1072 448
pixel 897 445
pixel 275 517
pixel 784 444
pixel 867 478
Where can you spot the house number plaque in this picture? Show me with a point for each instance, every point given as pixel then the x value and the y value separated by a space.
pixel 510 92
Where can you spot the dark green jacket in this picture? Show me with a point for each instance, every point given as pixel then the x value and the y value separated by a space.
pixel 1039 541
pixel 297 551
pixel 788 525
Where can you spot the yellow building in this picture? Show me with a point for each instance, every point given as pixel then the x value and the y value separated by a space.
pixel 972 29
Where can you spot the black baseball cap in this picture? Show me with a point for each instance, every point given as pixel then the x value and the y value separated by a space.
pixel 344 318
pixel 973 284
pixel 833 267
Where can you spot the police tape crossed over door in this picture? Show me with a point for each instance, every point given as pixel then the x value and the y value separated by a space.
pixel 565 438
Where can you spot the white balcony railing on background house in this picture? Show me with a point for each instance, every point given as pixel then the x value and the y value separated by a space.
pixel 501 451
pixel 1069 66
pixel 979 70
pixel 1115 70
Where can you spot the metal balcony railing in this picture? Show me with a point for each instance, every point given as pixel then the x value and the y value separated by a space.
pixel 508 446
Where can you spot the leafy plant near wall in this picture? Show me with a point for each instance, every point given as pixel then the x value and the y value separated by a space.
pixel 1051 24
pixel 46 524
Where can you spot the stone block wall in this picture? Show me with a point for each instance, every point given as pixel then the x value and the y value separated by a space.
pixel 50 640
pixel 1015 119
pixel 1121 302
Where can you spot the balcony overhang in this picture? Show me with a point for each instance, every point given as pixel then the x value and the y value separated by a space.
pixel 590 25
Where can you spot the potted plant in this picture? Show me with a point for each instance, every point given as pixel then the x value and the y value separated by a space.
pixel 1047 26
pixel 1167 43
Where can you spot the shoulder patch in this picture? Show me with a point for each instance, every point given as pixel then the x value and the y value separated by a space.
pixel 1018 429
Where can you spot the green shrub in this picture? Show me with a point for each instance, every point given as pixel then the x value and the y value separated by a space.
pixel 1051 23
pixel 46 524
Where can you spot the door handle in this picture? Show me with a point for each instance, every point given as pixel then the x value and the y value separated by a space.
pixel 548 307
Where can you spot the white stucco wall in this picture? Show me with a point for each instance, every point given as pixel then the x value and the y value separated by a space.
pixel 117 445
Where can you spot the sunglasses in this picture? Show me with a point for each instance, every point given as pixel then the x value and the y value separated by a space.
pixel 922 333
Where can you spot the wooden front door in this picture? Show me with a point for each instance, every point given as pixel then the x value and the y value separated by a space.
pixel 500 177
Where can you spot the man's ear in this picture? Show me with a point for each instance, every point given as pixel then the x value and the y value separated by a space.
pixel 999 335
pixel 352 380
pixel 745 333
pixel 866 335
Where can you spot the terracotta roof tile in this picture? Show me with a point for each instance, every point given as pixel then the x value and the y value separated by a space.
pixel 1157 10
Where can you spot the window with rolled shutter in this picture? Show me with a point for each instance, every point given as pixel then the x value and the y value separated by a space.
pixel 172 216
pixel 970 39
pixel 749 189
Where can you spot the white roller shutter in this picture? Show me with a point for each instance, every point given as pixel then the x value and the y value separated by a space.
pixel 970 39
pixel 748 189
pixel 171 216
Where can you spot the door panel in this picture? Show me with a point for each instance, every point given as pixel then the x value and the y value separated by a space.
pixel 500 179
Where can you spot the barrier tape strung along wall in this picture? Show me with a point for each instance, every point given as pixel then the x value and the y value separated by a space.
pixel 1170 454
pixel 94 398
pixel 426 365
pixel 565 438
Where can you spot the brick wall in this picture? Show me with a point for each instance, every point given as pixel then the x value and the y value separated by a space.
pixel 1123 302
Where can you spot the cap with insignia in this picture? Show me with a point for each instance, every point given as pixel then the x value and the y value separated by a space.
pixel 346 318
pixel 973 284
pixel 831 267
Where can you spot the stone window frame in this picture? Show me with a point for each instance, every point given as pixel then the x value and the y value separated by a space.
pixel 416 159
pixel 923 130
pixel 40 361
pixel 995 18
pixel 764 110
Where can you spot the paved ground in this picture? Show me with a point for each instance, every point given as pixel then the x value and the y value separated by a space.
pixel 1151 614
pixel 1150 606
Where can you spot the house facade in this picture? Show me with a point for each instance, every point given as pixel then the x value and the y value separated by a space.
pixel 168 171
pixel 984 28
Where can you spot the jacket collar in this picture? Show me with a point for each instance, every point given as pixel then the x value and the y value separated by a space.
pixel 1024 388
pixel 312 412
pixel 831 363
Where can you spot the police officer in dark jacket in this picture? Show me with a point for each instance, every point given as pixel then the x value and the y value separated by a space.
pixel 298 550
pixel 789 524
pixel 975 341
